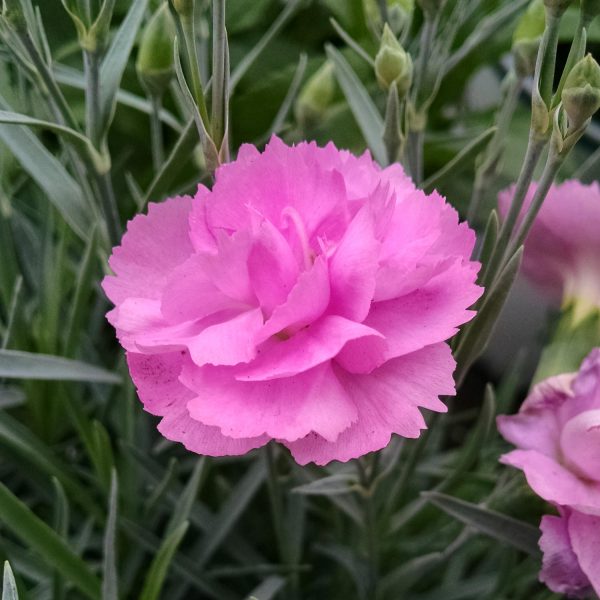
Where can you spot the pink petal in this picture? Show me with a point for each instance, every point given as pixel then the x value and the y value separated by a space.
pixel 306 349
pixel 388 402
pixel 153 246
pixel 585 538
pixel 306 303
pixel 429 315
pixel 353 268
pixel 282 408
pixel 560 568
pixel 272 267
pixel 555 483
pixel 157 380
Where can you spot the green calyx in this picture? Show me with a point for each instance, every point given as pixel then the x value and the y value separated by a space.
pixel 393 65
pixel 155 58
pixel 92 37
pixel 184 8
pixel 581 94
pixel 316 96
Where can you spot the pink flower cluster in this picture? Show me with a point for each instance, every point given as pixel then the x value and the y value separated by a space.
pixel 305 298
pixel 557 433
pixel 562 252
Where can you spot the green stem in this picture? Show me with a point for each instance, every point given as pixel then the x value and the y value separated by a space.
pixel 109 206
pixel 189 33
pixel 92 97
pixel 220 76
pixel 156 132
pixel 276 497
pixel 414 150
pixel 368 476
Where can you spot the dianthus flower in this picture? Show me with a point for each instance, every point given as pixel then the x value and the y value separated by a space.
pixel 557 433
pixel 562 250
pixel 305 298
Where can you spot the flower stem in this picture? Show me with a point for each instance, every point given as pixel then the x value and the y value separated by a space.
pixel 156 132
pixel 92 97
pixel 276 497
pixel 368 475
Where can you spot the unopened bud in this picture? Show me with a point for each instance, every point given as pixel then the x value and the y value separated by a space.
pixel 526 38
pixel 185 8
pixel 316 97
pixel 393 65
pixel 431 7
pixel 155 59
pixel 557 7
pixel 581 94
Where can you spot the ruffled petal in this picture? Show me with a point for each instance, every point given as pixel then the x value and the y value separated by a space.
pixel 388 402
pixel 584 531
pixel 282 408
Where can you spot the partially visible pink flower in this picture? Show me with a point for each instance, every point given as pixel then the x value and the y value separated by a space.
pixel 562 251
pixel 305 298
pixel 557 434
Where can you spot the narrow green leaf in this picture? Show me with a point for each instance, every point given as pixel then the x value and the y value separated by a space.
pixel 364 110
pixel 505 529
pixel 157 571
pixel 462 160
pixel 278 24
pixel 268 589
pixel 61 526
pixel 352 43
pixel 49 174
pixel 76 139
pixel 11 396
pixel 115 61
pixel 110 580
pixel 103 455
pixel 232 510
pixel 489 237
pixel 27 365
pixel 185 503
pixel 9 585
pixel 333 485
pixel 12 310
pixel 39 537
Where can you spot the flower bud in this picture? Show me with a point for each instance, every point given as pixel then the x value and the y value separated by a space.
pixel 393 65
pixel 185 8
pixel 581 94
pixel 557 7
pixel 316 96
pixel 526 38
pixel 155 58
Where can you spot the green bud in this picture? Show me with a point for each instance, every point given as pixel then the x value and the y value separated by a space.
pixel 185 8
pixel 393 65
pixel 12 12
pixel 155 58
pixel 581 94
pixel 557 7
pixel 590 9
pixel 527 37
pixel 316 96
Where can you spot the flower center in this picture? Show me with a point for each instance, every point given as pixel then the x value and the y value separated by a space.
pixel 580 444
pixel 296 220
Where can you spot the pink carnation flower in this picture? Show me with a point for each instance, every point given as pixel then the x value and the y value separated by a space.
pixel 562 251
pixel 557 433
pixel 305 298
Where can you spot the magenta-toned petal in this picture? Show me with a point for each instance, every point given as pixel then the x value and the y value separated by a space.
pixel 306 349
pixel 537 426
pixel 560 568
pixel 157 380
pixel 134 316
pixel 555 483
pixel 587 382
pixel 272 267
pixel 202 237
pixel 227 343
pixel 429 315
pixel 153 246
pixel 353 268
pixel 282 408
pixel 306 303
pixel 584 531
pixel 190 293
pixel 388 402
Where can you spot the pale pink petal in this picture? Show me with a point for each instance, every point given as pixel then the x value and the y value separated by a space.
pixel 157 380
pixel 306 349
pixel 584 531
pixel 555 483
pixel 560 568
pixel 306 303
pixel 272 267
pixel 388 402
pixel 429 315
pixel 282 408
pixel 153 246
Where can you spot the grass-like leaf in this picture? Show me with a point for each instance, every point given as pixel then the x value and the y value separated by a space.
pixel 110 580
pixel 27 365
pixel 268 589
pixel 505 529
pixel 38 536
pixel 9 586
